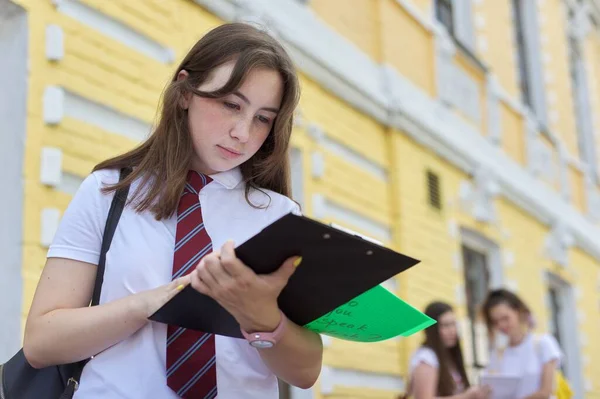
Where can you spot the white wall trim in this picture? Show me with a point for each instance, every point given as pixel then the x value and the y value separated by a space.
pixel 324 208
pixel 425 20
pixel 572 338
pixel 55 43
pixel 391 99
pixel 480 243
pixel 494 111
pixel 557 245
pixel 478 197
pixel 49 220
pixel 69 183
pixel 356 159
pixel 332 377
pixel 115 30
pixel 457 88
pixel 60 103
pixel 51 166
pixel 317 164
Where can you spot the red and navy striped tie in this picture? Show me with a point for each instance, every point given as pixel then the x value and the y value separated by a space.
pixel 191 361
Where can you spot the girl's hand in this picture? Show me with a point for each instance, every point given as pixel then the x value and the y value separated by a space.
pixel 250 298
pixel 479 392
pixel 146 303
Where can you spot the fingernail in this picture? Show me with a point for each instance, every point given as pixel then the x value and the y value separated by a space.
pixel 298 261
pixel 180 287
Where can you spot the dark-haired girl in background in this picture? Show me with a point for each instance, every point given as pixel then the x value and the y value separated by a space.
pixel 437 368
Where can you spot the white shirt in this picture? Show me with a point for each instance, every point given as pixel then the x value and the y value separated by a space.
pixel 425 355
pixel 141 258
pixel 525 361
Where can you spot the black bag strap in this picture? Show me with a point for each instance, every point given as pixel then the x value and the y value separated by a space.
pixel 114 214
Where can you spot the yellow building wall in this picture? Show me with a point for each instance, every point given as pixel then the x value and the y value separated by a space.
pixel 524 237
pixel 424 6
pixel 555 58
pixel 551 179
pixel 588 303
pixel 358 191
pixel 341 121
pixel 513 134
pixel 592 61
pixel 423 231
pixel 359 22
pixel 478 75
pixel 400 204
pixel 104 71
pixel 577 189
pixel 407 45
pixel 498 34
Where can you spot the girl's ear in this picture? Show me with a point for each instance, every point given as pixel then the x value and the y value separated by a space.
pixel 185 99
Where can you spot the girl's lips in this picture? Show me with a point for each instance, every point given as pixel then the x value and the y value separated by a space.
pixel 229 153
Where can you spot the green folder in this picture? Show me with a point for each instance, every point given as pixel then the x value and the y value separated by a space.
pixel 375 315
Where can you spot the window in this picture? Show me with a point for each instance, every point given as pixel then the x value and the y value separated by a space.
pixel 563 324
pixel 477 283
pixel 482 268
pixel 443 13
pixel 555 311
pixel 433 190
pixel 457 17
pixel 581 101
pixel 523 74
pixel 530 71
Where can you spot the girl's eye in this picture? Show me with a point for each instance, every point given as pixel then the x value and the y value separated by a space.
pixel 263 119
pixel 232 105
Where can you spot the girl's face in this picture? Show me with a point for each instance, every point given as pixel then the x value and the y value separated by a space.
pixel 228 131
pixel 447 329
pixel 506 320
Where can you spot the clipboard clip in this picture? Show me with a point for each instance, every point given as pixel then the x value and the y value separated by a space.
pixel 357 234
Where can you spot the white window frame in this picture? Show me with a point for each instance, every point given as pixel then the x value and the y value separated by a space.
pixel 463 25
pixel 533 63
pixel 569 328
pixel 581 95
pixel 477 242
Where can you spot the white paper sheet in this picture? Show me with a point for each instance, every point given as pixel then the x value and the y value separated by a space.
pixel 502 386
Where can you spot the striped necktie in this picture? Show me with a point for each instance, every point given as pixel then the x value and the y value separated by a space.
pixel 191 362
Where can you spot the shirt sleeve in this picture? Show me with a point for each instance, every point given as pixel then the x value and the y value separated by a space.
pixel 426 356
pixel 79 234
pixel 549 349
pixel 294 208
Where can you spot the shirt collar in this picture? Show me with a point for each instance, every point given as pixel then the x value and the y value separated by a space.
pixel 230 179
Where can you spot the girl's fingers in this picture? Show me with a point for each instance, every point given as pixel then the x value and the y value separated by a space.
pixel 198 284
pixel 178 284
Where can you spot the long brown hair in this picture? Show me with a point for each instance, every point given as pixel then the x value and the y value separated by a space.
pixel 162 161
pixel 446 385
pixel 503 296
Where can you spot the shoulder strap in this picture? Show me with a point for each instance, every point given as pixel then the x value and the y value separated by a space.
pixel 114 214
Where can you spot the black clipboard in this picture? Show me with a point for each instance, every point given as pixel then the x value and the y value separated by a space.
pixel 337 266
